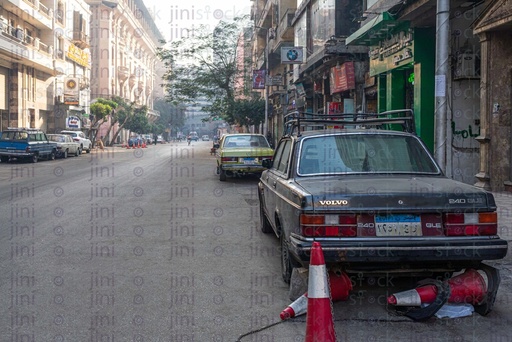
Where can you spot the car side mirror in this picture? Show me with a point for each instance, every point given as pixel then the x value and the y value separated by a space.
pixel 267 163
pixel 216 145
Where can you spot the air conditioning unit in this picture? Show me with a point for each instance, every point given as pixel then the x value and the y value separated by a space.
pixel 467 66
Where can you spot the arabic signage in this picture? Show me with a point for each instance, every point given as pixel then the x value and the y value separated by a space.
pixel 392 53
pixel 78 55
pixel 342 78
pixel 73 122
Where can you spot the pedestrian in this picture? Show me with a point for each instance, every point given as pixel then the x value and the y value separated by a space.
pixel 155 139
pixel 189 139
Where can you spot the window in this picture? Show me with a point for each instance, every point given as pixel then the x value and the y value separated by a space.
pixel 285 157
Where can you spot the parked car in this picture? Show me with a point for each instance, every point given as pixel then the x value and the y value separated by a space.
pixel 160 139
pixel 148 138
pixel 81 138
pixel 65 145
pixel 26 143
pixel 240 154
pixel 205 138
pixel 375 199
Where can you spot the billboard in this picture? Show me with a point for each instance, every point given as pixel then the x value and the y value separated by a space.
pixel 258 79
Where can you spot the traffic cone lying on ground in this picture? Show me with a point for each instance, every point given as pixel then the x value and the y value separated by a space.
pixel 339 286
pixel 319 322
pixel 469 287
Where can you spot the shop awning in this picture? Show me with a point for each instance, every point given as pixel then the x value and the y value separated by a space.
pixel 373 31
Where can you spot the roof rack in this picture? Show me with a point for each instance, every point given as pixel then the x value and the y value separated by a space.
pixel 307 121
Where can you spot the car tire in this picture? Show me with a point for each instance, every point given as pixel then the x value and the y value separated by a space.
pixel 286 264
pixel 222 175
pixel 265 226
pixel 51 156
pixel 4 159
pixel 89 149
pixel 34 158
pixel 77 152
pixel 65 155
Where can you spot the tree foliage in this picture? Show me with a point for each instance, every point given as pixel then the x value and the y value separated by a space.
pixel 204 67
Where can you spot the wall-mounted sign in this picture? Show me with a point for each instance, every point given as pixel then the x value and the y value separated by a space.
pixel 342 78
pixel 77 55
pixel 71 91
pixel 258 79
pixel 73 122
pixel 292 55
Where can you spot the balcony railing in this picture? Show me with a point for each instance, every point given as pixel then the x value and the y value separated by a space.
pixel 80 39
pixel 48 12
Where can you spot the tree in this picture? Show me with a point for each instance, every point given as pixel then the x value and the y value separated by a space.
pixel 204 66
pixel 100 110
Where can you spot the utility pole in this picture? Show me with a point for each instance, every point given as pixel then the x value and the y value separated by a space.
pixel 442 55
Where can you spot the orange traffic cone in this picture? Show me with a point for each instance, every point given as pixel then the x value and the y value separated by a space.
pixel 319 322
pixel 469 287
pixel 339 286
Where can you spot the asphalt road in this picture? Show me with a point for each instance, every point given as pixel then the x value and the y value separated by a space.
pixel 148 245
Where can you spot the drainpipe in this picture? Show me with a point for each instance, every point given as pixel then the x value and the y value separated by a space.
pixel 442 43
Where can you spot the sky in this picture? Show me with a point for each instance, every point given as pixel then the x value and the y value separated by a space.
pixel 176 19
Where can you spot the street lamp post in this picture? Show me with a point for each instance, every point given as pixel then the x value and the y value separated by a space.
pixel 265 122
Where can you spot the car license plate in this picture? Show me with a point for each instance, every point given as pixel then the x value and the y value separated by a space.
pixel 249 160
pixel 398 225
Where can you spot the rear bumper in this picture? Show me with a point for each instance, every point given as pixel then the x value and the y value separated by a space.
pixel 16 154
pixel 417 251
pixel 242 168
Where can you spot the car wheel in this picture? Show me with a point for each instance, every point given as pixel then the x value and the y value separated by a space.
pixel 34 158
pixel 264 223
pixel 65 155
pixel 286 265
pixel 77 152
pixel 51 156
pixel 222 174
pixel 89 149
pixel 4 159
pixel 81 149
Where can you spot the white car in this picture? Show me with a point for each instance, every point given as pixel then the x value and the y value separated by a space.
pixel 65 145
pixel 81 138
pixel 205 138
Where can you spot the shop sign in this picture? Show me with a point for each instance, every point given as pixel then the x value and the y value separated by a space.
pixel 342 78
pixel 77 55
pixel 73 122
pixel 392 53
pixel 258 79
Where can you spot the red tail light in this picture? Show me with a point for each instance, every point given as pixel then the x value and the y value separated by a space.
pixel 328 225
pixel 471 224
pixel 229 159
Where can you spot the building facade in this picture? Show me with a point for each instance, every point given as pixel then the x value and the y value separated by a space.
pixel 42 45
pixel 124 41
pixel 378 55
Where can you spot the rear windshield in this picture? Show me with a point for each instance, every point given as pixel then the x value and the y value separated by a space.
pixel 364 153
pixel 14 135
pixel 57 138
pixel 245 141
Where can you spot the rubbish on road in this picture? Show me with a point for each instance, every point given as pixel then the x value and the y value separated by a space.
pixel 319 321
pixel 477 287
pixel 451 310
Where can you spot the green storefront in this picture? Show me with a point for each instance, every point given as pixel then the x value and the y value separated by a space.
pixel 403 61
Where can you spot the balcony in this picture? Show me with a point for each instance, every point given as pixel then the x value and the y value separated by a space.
pixel 28 49
pixel 38 13
pixel 285 28
pixel 80 39
pixel 265 18
pixel 123 73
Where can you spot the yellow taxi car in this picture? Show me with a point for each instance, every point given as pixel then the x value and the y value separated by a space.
pixel 241 154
